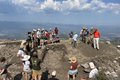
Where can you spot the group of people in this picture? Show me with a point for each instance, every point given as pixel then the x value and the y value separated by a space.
pixel 28 51
pixel 91 36
pixel 29 58
pixel 30 63
pixel 40 37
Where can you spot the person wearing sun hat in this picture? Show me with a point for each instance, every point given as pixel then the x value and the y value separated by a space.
pixel 26 67
pixel 94 71
pixel 53 76
pixel 21 51
pixel 73 68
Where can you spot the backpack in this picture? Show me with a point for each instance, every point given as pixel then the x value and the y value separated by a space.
pixel 35 63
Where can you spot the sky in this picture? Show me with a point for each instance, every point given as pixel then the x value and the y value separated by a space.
pixel 92 12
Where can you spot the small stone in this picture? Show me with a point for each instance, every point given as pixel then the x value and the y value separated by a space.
pixel 85 65
pixel 107 73
pixel 114 74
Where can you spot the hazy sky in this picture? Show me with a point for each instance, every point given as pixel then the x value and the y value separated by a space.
pixel 101 12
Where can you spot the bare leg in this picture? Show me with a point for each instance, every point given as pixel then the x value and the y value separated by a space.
pixel 35 77
pixel 68 76
pixel 73 77
pixel 39 77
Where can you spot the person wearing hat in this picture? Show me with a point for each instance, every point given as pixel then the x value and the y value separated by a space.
pixel 94 71
pixel 53 76
pixel 26 67
pixel 38 36
pixel 21 51
pixel 34 38
pixel 73 68
pixel 91 35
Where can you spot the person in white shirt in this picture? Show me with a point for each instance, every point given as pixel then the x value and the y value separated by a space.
pixel 94 71
pixel 38 36
pixel 21 51
pixel 26 67
pixel 75 36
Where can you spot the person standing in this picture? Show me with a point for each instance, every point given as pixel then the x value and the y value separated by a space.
pixel 56 31
pixel 75 36
pixel 73 68
pixel 26 67
pixel 36 69
pixel 70 37
pixel 38 33
pixel 96 39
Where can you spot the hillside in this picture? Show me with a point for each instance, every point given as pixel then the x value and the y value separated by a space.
pixel 56 56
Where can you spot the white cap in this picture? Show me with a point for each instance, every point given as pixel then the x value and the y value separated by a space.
pixel 34 30
pixel 54 73
pixel 27 62
pixel 38 29
pixel 43 29
pixel 92 66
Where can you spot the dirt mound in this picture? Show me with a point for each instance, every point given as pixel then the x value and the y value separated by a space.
pixel 55 57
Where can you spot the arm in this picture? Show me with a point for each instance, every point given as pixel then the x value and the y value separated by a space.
pixel 2 71
pixel 78 66
pixel 99 35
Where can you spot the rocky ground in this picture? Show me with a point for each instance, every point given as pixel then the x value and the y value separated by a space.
pixel 56 57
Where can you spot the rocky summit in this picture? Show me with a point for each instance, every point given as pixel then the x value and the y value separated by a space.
pixel 56 57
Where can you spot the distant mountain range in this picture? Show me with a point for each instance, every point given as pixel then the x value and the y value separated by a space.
pixel 18 30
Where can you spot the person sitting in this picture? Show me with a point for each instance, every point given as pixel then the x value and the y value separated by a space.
pixel 94 71
pixel 3 69
pixel 73 68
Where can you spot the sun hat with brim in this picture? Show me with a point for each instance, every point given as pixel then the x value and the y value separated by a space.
pixel 92 66
pixel 26 57
pixel 84 27
pixel 22 45
pixel 73 59
pixel 54 73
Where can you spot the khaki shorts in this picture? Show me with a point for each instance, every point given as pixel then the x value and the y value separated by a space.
pixel 36 73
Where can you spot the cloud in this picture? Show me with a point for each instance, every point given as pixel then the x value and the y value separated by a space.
pixel 68 5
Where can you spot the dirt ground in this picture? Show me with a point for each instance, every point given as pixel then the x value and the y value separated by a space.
pixel 56 57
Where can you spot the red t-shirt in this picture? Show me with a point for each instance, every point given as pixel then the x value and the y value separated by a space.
pixel 74 65
pixel 47 35
pixel 96 34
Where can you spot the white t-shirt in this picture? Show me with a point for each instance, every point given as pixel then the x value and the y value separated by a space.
pixel 38 34
pixel 75 37
pixel 21 53
pixel 93 73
